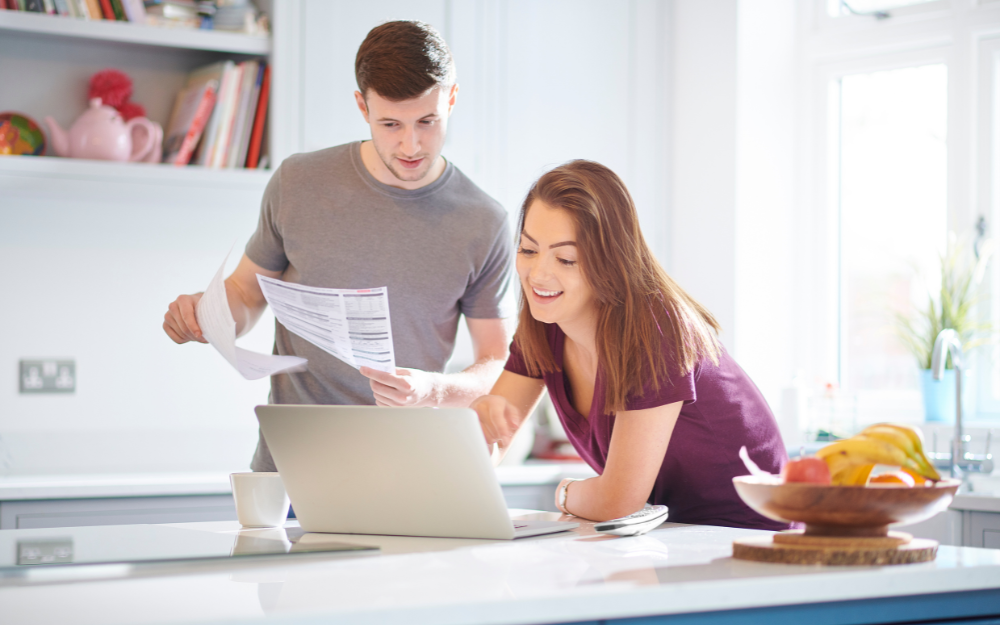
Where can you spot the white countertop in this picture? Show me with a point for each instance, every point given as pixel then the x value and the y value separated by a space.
pixel 19 488
pixel 574 576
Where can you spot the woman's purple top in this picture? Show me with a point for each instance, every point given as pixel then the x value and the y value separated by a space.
pixel 723 410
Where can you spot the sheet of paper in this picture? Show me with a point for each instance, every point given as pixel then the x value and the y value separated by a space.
pixel 219 328
pixel 351 324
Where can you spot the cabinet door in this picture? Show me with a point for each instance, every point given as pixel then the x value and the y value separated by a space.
pixel 985 530
pixel 120 511
pixel 541 82
pixel 944 527
pixel 530 497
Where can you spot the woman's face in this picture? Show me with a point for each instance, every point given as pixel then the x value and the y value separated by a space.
pixel 549 268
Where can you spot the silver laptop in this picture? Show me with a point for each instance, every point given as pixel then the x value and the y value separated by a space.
pixel 395 471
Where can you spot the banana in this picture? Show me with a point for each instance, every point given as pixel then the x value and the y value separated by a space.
pixel 844 456
pixel 862 449
pixel 910 440
pixel 853 475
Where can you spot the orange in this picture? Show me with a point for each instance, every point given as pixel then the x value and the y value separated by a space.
pixel 897 478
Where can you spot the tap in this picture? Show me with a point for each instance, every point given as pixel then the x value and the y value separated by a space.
pixel 958 461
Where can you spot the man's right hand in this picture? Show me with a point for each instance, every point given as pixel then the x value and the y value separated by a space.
pixel 181 323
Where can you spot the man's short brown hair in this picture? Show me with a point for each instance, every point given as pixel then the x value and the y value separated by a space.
pixel 403 60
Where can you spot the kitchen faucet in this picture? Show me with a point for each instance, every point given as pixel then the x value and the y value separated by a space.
pixel 958 461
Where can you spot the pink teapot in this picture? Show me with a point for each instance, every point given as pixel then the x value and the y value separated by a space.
pixel 101 133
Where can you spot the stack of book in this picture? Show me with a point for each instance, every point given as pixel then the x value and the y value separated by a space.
pixel 120 10
pixel 219 118
pixel 231 15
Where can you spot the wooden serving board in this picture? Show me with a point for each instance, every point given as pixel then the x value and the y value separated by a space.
pixel 796 548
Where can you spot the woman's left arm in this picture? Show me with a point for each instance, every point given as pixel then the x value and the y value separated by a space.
pixel 638 444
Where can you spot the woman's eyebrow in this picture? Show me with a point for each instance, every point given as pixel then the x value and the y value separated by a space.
pixel 554 245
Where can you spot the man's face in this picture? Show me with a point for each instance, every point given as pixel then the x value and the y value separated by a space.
pixel 408 136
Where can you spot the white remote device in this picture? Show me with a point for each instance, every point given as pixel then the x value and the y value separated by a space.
pixel 650 517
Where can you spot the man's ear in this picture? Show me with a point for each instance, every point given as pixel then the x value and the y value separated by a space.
pixel 452 97
pixel 362 105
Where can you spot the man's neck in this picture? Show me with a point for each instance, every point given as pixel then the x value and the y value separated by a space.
pixel 380 172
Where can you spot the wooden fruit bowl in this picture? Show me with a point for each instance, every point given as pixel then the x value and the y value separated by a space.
pixel 844 510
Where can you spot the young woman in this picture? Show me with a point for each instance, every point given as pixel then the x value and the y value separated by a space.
pixel 645 391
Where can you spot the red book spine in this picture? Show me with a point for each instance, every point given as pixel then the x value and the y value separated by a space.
pixel 258 122
pixel 197 127
pixel 107 10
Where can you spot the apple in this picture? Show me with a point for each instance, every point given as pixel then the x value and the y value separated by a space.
pixel 812 470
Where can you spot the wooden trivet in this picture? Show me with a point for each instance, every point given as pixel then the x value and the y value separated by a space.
pixel 795 548
pixel 800 539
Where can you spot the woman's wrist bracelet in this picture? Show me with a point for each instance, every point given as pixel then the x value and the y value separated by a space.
pixel 562 492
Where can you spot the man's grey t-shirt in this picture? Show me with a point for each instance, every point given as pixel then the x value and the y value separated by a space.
pixel 442 250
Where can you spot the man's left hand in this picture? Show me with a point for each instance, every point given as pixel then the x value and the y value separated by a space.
pixel 406 387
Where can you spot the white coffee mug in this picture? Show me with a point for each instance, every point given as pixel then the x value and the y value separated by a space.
pixel 261 500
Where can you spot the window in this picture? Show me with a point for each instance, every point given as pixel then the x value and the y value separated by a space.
pixel 879 9
pixel 903 148
pixel 893 215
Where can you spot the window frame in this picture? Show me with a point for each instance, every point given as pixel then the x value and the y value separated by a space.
pixel 833 47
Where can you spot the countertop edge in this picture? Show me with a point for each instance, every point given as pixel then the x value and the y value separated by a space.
pixel 101 486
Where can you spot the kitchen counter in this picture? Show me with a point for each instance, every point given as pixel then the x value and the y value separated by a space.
pixel 42 487
pixel 680 570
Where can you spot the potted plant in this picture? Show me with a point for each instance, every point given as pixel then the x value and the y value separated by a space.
pixel 952 306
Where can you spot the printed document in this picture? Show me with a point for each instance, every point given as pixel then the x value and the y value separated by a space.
pixel 351 324
pixel 219 328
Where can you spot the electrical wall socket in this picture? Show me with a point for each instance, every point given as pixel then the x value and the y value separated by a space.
pixel 48 376
pixel 45 551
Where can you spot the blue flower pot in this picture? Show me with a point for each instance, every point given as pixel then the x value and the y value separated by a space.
pixel 939 396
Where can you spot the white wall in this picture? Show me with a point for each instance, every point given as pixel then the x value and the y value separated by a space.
pixel 734 127
pixel 689 101
pixel 97 259
pixel 766 127
pixel 541 82
pixel 94 262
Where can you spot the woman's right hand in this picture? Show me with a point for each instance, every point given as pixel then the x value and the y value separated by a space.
pixel 498 418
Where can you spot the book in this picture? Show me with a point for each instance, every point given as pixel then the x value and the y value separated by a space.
pixel 94 10
pixel 253 153
pixel 251 70
pixel 224 71
pixel 228 101
pixel 118 9
pixel 191 112
pixel 49 7
pixel 241 158
pixel 34 6
pixel 135 11
pixel 107 12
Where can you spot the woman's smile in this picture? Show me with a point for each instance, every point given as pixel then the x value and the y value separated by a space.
pixel 543 296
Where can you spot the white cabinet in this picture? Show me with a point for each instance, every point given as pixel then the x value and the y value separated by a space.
pixel 100 248
pixel 982 529
pixel 117 511
pixel 944 527
pixel 46 62
pixel 540 83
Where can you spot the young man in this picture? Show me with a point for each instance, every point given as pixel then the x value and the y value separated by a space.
pixel 386 212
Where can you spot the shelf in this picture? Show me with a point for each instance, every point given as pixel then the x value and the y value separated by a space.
pixel 126 32
pixel 56 168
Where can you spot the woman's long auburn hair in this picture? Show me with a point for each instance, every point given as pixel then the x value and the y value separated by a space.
pixel 638 304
